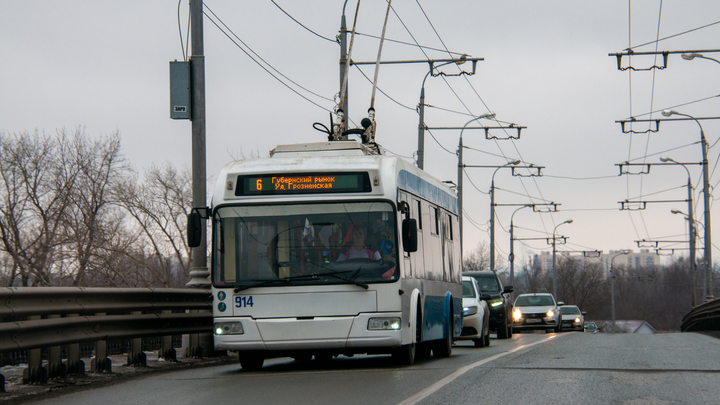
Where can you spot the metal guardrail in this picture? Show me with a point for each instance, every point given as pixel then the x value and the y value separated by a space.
pixel 704 317
pixel 33 318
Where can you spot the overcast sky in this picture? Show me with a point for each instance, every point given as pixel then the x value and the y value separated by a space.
pixel 104 66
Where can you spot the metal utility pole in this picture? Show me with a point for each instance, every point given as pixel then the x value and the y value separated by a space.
pixel 691 228
pixel 554 277
pixel 706 190
pixel 198 269
pixel 612 286
pixel 489 115
pixel 421 105
pixel 511 257
pixel 706 200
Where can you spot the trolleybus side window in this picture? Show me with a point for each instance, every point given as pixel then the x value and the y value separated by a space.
pixel 418 216
pixel 434 217
pixel 449 227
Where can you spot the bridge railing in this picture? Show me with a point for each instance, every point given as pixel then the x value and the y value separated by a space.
pixel 704 317
pixel 36 318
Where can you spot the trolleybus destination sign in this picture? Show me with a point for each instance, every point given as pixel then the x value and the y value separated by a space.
pixel 303 183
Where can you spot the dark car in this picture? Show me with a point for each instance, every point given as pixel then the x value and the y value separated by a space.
pixel 500 302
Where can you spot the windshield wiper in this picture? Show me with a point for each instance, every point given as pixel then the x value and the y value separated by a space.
pixel 260 283
pixel 334 274
pixel 264 282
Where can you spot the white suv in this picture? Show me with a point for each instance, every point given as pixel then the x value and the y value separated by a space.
pixel 537 311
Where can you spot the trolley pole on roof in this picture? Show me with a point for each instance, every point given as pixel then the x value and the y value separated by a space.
pixel 198 266
pixel 343 64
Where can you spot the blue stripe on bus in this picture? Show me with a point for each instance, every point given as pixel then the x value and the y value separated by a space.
pixel 435 313
pixel 430 192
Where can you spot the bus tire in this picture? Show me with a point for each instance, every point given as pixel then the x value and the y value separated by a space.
pixel 443 347
pixel 404 355
pixel 251 361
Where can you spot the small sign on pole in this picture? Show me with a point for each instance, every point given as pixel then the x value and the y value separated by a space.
pixel 180 90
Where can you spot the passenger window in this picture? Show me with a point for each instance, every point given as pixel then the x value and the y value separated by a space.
pixel 434 220
pixel 449 227
pixel 418 205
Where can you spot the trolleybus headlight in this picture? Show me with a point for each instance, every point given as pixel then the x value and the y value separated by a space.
pixel 467 311
pixel 229 328
pixel 384 324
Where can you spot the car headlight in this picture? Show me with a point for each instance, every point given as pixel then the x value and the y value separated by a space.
pixel 517 314
pixel 577 320
pixel 228 328
pixel 496 303
pixel 550 313
pixel 384 324
pixel 467 311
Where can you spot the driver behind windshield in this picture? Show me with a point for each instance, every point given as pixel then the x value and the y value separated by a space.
pixel 358 249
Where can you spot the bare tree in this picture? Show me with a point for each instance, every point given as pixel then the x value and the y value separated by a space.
pixel 478 259
pixel 89 222
pixel 159 207
pixel 530 279
pixel 37 176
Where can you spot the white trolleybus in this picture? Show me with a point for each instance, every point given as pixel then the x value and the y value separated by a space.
pixel 330 248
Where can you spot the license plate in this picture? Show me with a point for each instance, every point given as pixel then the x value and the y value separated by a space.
pixel 533 321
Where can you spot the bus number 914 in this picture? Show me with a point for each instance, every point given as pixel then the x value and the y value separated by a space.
pixel 241 302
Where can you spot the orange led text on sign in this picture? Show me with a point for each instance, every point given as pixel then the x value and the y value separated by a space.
pixel 303 183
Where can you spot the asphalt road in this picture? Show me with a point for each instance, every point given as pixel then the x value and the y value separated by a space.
pixel 529 368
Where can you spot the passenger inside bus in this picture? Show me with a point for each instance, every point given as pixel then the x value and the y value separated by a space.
pixel 358 249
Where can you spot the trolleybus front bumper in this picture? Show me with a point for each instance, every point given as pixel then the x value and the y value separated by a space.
pixel 344 333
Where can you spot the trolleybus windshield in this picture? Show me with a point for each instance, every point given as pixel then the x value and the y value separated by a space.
pixel 304 244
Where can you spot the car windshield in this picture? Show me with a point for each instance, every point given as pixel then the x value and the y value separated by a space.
pixel 304 244
pixel 468 291
pixel 534 301
pixel 570 311
pixel 488 283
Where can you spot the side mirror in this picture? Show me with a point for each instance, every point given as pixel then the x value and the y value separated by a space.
pixel 583 313
pixel 560 303
pixel 409 234
pixel 194 229
pixel 508 289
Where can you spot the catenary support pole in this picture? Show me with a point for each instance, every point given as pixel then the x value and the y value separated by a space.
pixel 198 269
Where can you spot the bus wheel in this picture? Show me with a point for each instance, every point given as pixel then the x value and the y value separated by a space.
pixel 251 361
pixel 404 355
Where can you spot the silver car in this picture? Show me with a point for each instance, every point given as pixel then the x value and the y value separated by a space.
pixel 572 318
pixel 476 318
pixel 537 311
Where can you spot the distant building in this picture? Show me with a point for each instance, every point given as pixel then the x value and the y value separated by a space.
pixel 645 258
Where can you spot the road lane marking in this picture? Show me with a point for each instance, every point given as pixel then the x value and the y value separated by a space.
pixel 462 370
